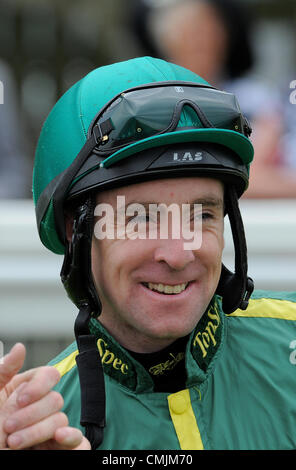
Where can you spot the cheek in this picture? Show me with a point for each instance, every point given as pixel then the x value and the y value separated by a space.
pixel 104 273
pixel 102 263
pixel 96 263
pixel 113 261
pixel 211 250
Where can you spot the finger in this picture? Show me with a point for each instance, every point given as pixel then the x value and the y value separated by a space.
pixel 63 441
pixel 19 379
pixel 37 433
pixel 69 438
pixel 31 414
pixel 85 445
pixel 12 363
pixel 42 381
pixel 8 407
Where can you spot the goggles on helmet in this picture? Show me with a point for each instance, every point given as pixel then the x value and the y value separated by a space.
pixel 156 108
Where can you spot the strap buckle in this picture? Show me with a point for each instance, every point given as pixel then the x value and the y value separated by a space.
pixel 248 293
pixel 101 131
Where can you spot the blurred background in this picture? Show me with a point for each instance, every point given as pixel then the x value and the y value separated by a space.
pixel 244 46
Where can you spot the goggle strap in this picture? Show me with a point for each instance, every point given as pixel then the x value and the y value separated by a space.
pixel 247 127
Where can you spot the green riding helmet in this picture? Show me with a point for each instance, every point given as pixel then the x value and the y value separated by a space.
pixel 122 124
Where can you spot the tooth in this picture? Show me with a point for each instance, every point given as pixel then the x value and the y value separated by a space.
pixel 177 289
pixel 168 289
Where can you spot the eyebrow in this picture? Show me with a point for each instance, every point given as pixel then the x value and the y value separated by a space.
pixel 207 201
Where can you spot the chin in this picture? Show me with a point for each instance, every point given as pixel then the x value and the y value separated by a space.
pixel 170 330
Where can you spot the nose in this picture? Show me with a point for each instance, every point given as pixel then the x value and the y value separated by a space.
pixel 172 252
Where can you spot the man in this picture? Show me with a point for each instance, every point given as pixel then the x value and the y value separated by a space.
pixel 168 354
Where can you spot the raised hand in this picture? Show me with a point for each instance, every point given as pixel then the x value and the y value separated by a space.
pixel 30 411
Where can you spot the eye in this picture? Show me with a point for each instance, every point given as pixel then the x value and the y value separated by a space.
pixel 207 216
pixel 139 219
pixel 201 215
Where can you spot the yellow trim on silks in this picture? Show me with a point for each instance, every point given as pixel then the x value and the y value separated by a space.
pixel 66 364
pixel 184 421
pixel 268 308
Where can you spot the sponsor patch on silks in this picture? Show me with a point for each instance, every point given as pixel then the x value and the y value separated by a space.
pixel 207 336
pixel 117 363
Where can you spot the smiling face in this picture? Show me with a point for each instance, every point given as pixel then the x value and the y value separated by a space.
pixel 152 290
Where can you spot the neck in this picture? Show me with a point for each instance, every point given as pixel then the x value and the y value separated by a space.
pixel 166 367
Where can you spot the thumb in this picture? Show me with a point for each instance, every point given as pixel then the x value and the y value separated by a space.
pixel 11 363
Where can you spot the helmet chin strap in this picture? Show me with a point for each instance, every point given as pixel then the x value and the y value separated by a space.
pixel 77 279
pixel 235 289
